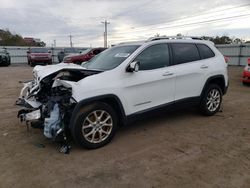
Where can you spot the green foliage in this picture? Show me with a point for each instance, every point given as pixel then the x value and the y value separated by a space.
pixel 223 39
pixel 9 39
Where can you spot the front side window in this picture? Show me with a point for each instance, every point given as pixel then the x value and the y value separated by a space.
pixel 154 57
pixel 184 53
pixel 205 51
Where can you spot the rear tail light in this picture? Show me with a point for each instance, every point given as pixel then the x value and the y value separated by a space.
pixel 226 59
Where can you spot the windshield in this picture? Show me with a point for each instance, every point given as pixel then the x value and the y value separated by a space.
pixel 71 50
pixel 86 51
pixel 38 50
pixel 110 58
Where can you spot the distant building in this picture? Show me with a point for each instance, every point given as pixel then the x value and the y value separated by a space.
pixel 33 41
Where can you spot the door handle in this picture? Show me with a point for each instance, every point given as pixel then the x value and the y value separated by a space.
pixel 204 66
pixel 167 74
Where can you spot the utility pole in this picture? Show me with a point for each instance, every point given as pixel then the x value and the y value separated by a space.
pixel 70 41
pixel 105 33
pixel 54 43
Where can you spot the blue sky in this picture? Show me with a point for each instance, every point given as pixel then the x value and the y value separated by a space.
pixel 129 20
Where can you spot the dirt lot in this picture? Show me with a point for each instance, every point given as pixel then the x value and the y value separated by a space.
pixel 178 149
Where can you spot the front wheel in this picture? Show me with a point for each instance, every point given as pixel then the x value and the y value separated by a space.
pixel 211 100
pixel 95 125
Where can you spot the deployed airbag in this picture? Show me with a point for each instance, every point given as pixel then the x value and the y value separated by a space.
pixel 52 124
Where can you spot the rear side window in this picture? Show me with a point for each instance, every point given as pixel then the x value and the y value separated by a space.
pixel 184 53
pixel 154 57
pixel 205 51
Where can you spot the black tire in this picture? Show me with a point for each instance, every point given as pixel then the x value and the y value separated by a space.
pixel 205 104
pixel 32 64
pixel 245 84
pixel 81 118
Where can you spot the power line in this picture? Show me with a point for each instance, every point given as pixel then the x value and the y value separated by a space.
pixel 204 22
pixel 145 27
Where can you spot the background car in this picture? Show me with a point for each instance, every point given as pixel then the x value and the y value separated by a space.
pixel 246 73
pixel 4 58
pixel 84 56
pixel 68 51
pixel 39 56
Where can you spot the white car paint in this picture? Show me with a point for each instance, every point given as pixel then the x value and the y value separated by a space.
pixel 142 90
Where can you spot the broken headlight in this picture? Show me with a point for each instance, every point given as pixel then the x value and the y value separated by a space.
pixel 34 115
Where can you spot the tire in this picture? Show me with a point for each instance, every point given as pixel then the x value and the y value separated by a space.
pixel 88 131
pixel 245 84
pixel 32 64
pixel 211 100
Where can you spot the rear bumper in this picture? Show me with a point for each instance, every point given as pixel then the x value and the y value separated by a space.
pixel 246 77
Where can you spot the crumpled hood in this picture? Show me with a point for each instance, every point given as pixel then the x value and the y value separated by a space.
pixel 40 72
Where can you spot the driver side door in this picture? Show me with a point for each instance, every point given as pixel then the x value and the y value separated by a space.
pixel 154 84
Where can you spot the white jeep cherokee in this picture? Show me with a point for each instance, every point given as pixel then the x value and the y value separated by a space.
pixel 88 102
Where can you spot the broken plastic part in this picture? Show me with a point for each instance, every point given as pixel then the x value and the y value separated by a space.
pixel 65 149
pixel 52 124
pixel 35 115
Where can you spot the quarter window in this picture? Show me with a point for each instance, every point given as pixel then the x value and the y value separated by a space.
pixel 154 57
pixel 205 51
pixel 184 53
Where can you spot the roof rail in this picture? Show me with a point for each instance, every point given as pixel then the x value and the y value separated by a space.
pixel 173 37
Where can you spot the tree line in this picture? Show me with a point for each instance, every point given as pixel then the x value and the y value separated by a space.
pixel 10 39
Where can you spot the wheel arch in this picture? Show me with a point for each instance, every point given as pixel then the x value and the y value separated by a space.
pixel 217 79
pixel 109 99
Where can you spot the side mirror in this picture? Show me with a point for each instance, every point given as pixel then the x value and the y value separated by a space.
pixel 49 52
pixel 28 52
pixel 133 67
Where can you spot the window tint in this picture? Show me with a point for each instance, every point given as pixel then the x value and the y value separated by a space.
pixel 154 57
pixel 205 51
pixel 95 52
pixel 184 53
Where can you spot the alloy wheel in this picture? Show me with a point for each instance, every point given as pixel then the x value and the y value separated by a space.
pixel 97 126
pixel 213 100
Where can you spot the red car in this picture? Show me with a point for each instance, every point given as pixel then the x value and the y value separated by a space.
pixel 39 56
pixel 85 55
pixel 246 73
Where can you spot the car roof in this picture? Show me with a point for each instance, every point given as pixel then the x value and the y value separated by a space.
pixel 199 41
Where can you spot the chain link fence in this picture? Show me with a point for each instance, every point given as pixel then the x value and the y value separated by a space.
pixel 238 54
pixel 18 54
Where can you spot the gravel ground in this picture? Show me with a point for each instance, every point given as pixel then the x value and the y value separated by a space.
pixel 177 149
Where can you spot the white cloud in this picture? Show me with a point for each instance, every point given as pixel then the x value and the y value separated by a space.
pixel 130 20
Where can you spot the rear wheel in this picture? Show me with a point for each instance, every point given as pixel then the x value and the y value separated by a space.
pixel 32 64
pixel 245 84
pixel 95 125
pixel 211 100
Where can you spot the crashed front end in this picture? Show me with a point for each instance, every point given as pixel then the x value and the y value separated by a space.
pixel 47 104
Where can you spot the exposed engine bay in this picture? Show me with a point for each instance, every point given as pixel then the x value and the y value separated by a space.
pixel 47 102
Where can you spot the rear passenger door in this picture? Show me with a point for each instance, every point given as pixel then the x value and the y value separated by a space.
pixel 190 70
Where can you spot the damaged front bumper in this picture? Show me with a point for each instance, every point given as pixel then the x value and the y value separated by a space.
pixel 29 116
pixel 49 108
